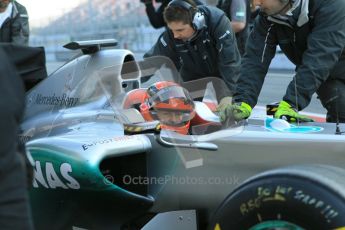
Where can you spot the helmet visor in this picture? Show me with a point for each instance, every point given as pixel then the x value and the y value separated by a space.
pixel 173 105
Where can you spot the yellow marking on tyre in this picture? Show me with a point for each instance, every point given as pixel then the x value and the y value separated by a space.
pixel 259 217
pixel 217 227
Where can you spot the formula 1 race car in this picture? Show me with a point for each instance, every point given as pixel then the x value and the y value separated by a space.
pixel 101 166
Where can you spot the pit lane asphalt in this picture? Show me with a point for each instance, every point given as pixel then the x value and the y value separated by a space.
pixel 273 89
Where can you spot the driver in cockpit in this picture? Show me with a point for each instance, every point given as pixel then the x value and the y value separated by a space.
pixel 165 101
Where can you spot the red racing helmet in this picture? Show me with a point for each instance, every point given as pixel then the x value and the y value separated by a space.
pixel 172 105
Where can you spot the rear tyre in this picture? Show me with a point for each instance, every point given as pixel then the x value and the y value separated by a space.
pixel 293 198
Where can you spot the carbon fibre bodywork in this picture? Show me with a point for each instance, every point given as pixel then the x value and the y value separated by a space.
pixel 90 174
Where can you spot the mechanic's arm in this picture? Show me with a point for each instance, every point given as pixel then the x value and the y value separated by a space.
pixel 20 29
pixel 229 58
pixel 325 45
pixel 238 10
pixel 155 17
pixel 260 49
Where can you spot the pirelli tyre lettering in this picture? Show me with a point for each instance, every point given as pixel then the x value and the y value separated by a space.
pixel 296 198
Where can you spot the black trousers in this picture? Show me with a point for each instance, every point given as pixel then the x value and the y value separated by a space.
pixel 14 205
pixel 332 96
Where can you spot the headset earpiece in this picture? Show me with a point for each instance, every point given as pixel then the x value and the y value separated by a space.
pixel 196 17
pixel 198 20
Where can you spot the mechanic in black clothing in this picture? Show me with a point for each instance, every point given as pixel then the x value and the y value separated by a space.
pixel 156 16
pixel 239 13
pixel 311 33
pixel 14 23
pixel 200 42
pixel 14 207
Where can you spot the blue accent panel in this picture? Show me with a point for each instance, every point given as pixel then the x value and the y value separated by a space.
pixel 279 125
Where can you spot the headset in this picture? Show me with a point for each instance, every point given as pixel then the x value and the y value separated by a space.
pixel 197 18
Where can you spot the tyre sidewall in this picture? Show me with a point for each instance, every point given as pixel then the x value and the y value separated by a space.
pixel 300 201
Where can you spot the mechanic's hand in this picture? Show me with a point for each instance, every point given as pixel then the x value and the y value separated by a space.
pixel 287 112
pixel 237 112
pixel 146 2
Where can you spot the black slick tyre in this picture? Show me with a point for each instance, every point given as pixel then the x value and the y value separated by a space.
pixel 292 198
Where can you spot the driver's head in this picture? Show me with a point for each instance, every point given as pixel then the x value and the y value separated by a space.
pixel 171 105
pixel 274 7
